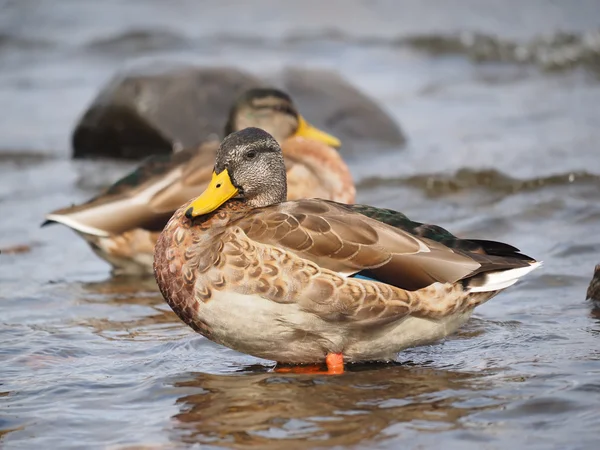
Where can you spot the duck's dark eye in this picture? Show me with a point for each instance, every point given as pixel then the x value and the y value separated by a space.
pixel 286 109
pixel 251 154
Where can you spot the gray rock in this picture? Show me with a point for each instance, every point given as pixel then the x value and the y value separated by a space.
pixel 330 102
pixel 152 111
pixel 148 112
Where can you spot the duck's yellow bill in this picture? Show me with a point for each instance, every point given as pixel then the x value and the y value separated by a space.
pixel 308 131
pixel 218 192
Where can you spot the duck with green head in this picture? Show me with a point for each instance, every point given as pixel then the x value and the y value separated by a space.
pixel 312 280
pixel 122 224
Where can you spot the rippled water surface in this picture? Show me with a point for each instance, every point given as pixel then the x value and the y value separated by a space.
pixel 500 106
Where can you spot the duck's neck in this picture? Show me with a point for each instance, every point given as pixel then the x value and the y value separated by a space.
pixel 276 194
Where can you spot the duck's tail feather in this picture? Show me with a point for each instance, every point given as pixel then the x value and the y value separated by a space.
pixel 497 280
pixel 74 224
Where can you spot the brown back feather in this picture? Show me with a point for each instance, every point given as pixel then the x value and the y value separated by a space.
pixel 346 242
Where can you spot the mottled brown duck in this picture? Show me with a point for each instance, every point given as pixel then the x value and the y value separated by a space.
pixel 123 223
pixel 316 281
pixel 593 290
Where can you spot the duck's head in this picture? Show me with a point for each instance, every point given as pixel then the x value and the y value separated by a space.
pixel 249 166
pixel 273 111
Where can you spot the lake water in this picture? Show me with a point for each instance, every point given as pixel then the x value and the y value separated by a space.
pixel 503 129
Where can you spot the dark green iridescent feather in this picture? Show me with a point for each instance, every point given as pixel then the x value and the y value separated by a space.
pixel 437 233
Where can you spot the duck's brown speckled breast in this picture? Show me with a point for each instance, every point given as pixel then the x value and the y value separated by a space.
pixel 182 251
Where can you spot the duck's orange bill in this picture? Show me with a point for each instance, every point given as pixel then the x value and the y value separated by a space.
pixel 307 131
pixel 218 192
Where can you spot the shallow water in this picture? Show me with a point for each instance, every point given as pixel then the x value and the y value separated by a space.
pixel 502 149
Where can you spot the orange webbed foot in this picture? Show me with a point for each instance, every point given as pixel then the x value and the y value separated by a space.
pixel 335 363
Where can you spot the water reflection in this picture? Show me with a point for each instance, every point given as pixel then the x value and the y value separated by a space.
pixel 265 410
pixel 123 289
pixel 135 309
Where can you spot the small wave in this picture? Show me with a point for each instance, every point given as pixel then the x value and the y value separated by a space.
pixel 142 40
pixel 575 249
pixel 11 42
pixel 23 157
pixel 559 51
pixel 491 180
pixel 335 35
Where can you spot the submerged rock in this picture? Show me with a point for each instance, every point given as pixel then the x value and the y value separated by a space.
pixel 593 291
pixel 156 112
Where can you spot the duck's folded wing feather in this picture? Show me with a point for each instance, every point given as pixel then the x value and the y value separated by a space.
pixel 146 197
pixel 347 242
pixel 438 234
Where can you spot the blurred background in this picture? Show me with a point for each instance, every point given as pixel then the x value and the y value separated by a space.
pixel 480 116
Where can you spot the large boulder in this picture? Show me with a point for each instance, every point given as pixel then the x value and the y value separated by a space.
pixel 149 111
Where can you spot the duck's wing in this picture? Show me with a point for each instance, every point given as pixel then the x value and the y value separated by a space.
pixel 146 197
pixel 339 238
pixel 437 233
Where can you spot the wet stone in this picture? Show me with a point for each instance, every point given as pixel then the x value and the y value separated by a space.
pixel 148 112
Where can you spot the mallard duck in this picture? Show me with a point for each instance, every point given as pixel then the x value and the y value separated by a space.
pixel 311 280
pixel 593 290
pixel 122 224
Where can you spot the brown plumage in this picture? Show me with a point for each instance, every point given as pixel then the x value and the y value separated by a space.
pixel 277 279
pixel 593 290
pixel 119 223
